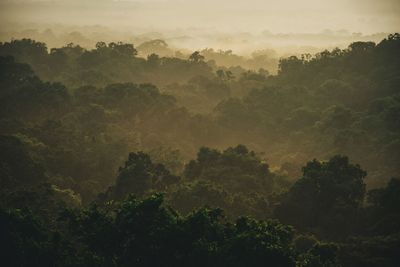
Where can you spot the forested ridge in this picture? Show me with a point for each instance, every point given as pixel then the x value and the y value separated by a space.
pixel 108 158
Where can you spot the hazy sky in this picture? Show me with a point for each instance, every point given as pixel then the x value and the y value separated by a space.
pixel 367 16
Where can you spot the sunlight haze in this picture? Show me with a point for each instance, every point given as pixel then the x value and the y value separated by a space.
pixel 366 16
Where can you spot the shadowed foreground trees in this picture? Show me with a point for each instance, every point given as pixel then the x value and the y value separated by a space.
pixel 327 199
pixel 148 233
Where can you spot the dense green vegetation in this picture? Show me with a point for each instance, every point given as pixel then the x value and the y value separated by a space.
pixel 111 159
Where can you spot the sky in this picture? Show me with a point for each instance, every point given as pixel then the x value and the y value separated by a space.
pixel 278 16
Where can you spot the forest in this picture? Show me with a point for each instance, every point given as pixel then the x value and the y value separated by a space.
pixel 125 155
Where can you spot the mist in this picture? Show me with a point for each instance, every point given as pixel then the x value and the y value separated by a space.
pixel 243 26
pixel 200 133
pixel 309 16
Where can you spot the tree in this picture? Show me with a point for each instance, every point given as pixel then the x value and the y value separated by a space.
pixel 24 240
pixel 196 57
pixel 123 49
pixel 148 233
pixel 153 60
pixel 328 197
pixel 236 169
pixel 384 209
pixel 18 167
pixel 139 175
pixel 156 46
pixel 359 47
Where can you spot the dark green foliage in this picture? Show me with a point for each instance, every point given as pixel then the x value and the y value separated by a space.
pixel 70 117
pixel 236 169
pixel 371 251
pixel 27 51
pixel 236 180
pixel 195 195
pixel 147 233
pixel 336 102
pixel 385 211
pixel 18 168
pixel 107 63
pixel 24 241
pixel 24 96
pixel 321 254
pixel 326 199
pixel 139 175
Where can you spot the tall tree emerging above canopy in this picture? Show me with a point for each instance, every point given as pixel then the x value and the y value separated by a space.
pixel 196 57
pixel 140 174
pixel 237 169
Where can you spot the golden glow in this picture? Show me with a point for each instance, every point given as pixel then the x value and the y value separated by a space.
pixel 234 24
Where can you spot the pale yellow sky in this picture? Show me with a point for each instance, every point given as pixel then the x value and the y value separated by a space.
pixel 366 16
